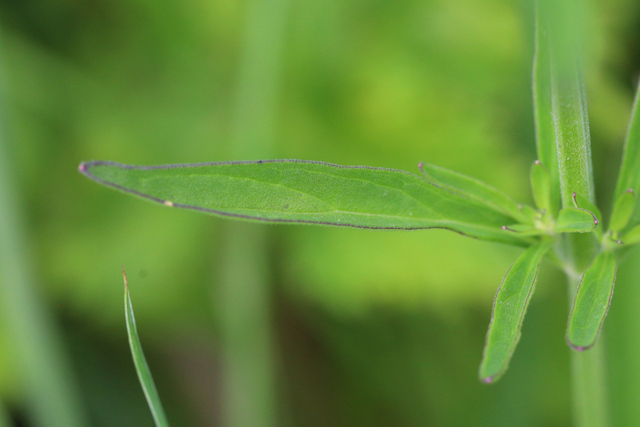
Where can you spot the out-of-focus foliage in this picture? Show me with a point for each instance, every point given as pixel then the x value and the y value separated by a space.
pixel 375 328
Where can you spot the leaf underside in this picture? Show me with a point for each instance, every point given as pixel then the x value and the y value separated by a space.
pixel 591 302
pixel 509 308
pixel 308 192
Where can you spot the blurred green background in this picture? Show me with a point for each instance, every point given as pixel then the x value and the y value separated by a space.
pixel 362 327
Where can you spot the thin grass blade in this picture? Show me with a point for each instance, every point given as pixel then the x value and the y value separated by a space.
pixel 575 220
pixel 592 302
pixel 140 362
pixel 294 191
pixel 509 308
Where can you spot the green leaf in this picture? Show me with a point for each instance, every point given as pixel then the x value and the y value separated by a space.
pixel 622 210
pixel 592 302
pixel 541 186
pixel 144 374
pixel 294 191
pixel 545 126
pixel 476 190
pixel 584 203
pixel 509 308
pixel 561 23
pixel 575 220
pixel 630 169
pixel 632 236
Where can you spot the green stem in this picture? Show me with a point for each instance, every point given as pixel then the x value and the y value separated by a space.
pixel 589 383
pixel 559 32
pixel 52 397
pixel 245 306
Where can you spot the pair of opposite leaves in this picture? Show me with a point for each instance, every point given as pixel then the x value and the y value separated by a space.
pixel 309 192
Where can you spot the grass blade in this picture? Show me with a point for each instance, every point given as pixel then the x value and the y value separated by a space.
pixel 591 303
pixel 509 308
pixel 294 191
pixel 144 374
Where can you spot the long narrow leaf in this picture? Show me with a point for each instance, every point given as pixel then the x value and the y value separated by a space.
pixel 568 96
pixel 294 191
pixel 592 302
pixel 509 308
pixel 144 374
pixel 622 210
pixel 545 127
pixel 630 169
pixel 476 190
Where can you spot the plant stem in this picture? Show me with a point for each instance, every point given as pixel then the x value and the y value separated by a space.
pixel 245 305
pixel 558 22
pixel 53 399
pixel 589 384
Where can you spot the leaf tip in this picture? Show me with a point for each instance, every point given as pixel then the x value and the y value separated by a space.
pixel 82 168
pixel 124 277
pixel 421 167
pixel 579 348
pixel 487 380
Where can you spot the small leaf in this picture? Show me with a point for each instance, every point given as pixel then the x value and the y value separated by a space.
pixel 474 189
pixel 591 302
pixel 144 374
pixel 541 186
pixel 632 236
pixel 509 308
pixel 584 203
pixel 530 214
pixel 622 210
pixel 295 191
pixel 575 220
